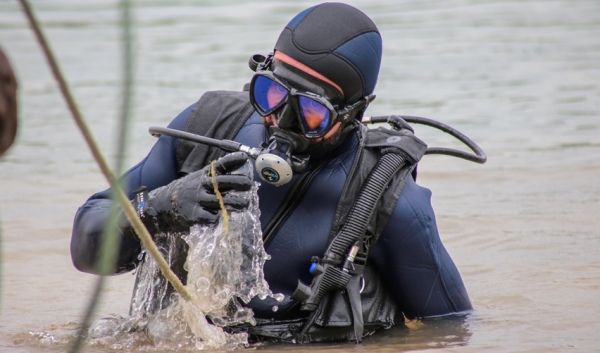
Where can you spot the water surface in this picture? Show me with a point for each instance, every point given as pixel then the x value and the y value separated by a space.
pixel 520 77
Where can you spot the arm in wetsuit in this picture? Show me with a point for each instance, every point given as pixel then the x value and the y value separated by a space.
pixel 414 263
pixel 157 169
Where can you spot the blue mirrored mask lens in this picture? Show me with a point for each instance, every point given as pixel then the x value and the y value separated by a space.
pixel 268 94
pixel 315 116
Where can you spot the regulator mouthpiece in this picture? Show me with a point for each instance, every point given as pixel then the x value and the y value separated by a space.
pixel 274 163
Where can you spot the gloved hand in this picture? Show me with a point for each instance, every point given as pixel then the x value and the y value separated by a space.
pixel 191 199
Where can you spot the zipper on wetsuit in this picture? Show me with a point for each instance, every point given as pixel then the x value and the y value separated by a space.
pixel 290 203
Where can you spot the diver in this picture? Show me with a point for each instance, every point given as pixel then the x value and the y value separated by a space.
pixel 304 103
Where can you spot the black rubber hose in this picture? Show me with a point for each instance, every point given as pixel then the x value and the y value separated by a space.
pixel 227 145
pixel 361 212
pixel 400 121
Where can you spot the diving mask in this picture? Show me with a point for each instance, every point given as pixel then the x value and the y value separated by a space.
pixel 315 113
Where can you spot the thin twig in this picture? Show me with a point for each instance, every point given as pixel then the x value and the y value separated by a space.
pixel 215 185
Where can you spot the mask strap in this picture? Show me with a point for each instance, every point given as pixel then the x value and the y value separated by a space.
pixel 350 112
pixel 259 62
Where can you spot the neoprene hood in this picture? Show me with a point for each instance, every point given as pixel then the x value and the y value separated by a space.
pixel 337 41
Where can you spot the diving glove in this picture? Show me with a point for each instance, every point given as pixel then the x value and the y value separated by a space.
pixel 191 199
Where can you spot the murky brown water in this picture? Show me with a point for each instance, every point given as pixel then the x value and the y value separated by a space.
pixel 521 77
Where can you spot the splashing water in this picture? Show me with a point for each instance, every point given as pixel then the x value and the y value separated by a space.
pixel 224 271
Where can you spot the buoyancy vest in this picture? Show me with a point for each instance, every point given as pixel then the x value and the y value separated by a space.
pixel 221 114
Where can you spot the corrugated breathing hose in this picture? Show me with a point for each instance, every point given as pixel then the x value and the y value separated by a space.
pixel 361 212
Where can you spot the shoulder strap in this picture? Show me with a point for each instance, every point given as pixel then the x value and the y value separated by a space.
pixel 374 143
pixel 218 114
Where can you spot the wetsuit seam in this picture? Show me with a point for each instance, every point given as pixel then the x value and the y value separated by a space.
pixel 437 276
pixel 331 50
pixel 356 69
pixel 433 254
pixel 344 169
pixel 425 226
pixel 415 213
